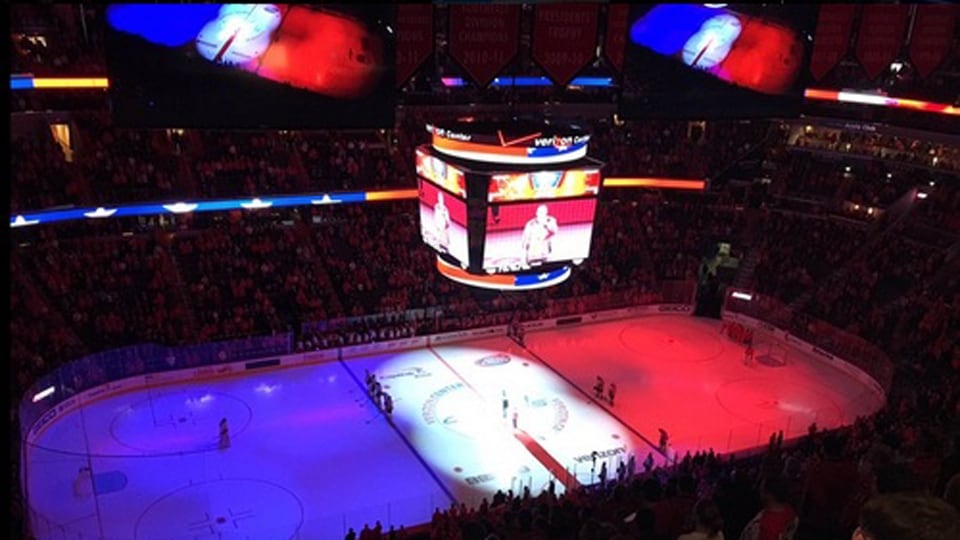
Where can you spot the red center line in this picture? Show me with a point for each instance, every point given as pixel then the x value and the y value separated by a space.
pixel 226 45
pixel 230 40
pixel 702 52
pixel 529 443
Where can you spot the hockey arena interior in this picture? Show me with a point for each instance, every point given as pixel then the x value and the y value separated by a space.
pixel 482 271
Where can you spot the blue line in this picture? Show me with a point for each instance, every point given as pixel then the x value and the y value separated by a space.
pixel 402 436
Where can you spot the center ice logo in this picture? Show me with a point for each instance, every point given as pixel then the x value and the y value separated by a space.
pixel 497 359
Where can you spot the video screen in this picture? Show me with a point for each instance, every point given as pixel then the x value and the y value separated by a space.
pixel 443 222
pixel 441 173
pixel 543 185
pixel 716 60
pixel 251 65
pixel 526 235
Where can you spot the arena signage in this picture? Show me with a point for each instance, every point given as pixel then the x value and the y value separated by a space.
pixel 601 454
pixel 450 134
pixel 823 353
pixel 558 141
pixel 416 372
pixel 498 359
pixel 44 420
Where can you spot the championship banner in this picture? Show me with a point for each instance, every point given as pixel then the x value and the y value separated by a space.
pixel 882 30
pixel 832 38
pixel 564 39
pixel 414 38
pixel 615 41
pixel 484 38
pixel 932 35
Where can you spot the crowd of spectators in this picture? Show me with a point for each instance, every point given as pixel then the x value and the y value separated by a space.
pixel 232 164
pixel 41 176
pixel 936 221
pixel 681 233
pixel 822 486
pixel 110 165
pixel 801 175
pixel 912 151
pixel 797 251
pixel 351 161
pixel 113 291
pixel 854 298
pixel 50 40
pixel 124 164
pixel 869 183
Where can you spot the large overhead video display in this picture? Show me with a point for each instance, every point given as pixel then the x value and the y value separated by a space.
pixel 522 236
pixel 251 65
pixel 716 60
pixel 528 192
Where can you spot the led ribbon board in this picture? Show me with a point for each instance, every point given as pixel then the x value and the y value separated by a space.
pixel 515 144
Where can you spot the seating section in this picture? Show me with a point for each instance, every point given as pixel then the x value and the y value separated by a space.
pixel 798 251
pixel 111 291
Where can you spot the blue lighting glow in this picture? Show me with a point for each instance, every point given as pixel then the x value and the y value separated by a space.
pixel 21 83
pixel 28 219
pixel 527 280
pixel 666 28
pixel 170 25
pixel 500 82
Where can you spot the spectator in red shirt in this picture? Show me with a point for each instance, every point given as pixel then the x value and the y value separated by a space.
pixel 777 520
pixel 830 484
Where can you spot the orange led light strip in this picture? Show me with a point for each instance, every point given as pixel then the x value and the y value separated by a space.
pixel 391 195
pixel 863 98
pixel 70 82
pixel 660 183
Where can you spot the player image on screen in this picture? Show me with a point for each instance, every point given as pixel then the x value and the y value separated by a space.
pixel 441 224
pixel 522 236
pixel 443 219
pixel 537 237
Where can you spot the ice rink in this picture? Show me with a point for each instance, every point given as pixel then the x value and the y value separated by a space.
pixel 310 455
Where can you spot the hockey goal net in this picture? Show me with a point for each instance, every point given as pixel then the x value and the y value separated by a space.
pixel 769 351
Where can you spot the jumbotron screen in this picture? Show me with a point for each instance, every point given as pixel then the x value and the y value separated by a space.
pixel 523 236
pixel 443 222
pixel 251 65
pixel 716 60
